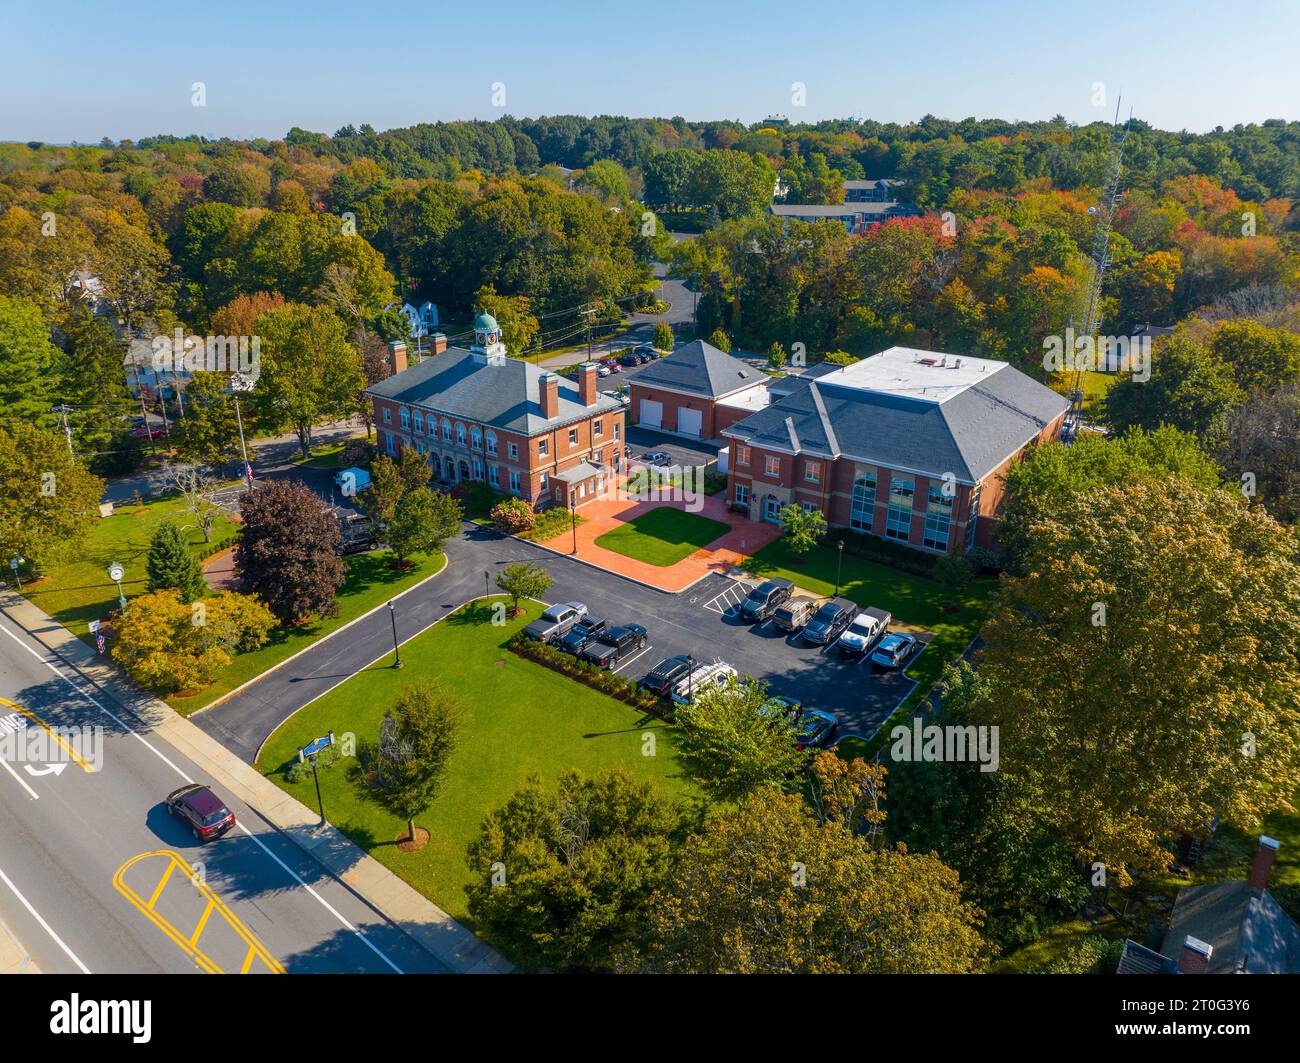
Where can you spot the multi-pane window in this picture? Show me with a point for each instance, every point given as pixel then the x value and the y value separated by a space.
pixel 513 450
pixel 772 466
pixel 742 494
pixel 460 434
pixel 419 422
pixel 478 469
pixel 812 471
pixel 598 429
pixel 476 438
pixel 494 476
pixel 616 430
pixel 742 455
pixel 446 431
pixel 406 419
pixel 388 443
pixel 809 508
pixel 938 518
pixel 544 484
pixel 541 448
pixel 898 522
pixel 388 415
pixel 514 480
pixel 863 505
pixel 972 522
pixel 573 437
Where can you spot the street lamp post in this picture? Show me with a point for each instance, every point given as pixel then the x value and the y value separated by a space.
pixel 320 802
pixel 115 573
pixel 397 653
pixel 487 584
pixel 573 517
pixel 238 384
pixel 839 566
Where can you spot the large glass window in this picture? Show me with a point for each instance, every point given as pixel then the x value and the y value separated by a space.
pixel 491 442
pixel 863 506
pixel 898 523
pixel 938 519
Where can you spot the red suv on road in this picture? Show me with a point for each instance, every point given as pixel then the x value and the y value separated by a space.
pixel 201 810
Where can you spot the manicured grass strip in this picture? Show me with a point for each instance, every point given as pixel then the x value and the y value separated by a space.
pixel 371 581
pixel 326 455
pixel 663 536
pixel 912 599
pixel 551 523
pixel 80 591
pixel 518 718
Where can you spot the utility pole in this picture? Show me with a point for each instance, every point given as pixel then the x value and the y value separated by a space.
pixel 588 312
pixel 62 409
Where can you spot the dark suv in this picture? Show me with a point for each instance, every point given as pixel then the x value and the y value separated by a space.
pixel 613 644
pixel 663 676
pixel 765 599
pixel 582 633
pixel 829 622
pixel 201 810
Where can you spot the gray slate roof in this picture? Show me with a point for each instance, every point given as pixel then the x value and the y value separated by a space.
pixel 968 435
pixel 701 369
pixel 1138 959
pixel 838 210
pixel 1247 928
pixel 506 395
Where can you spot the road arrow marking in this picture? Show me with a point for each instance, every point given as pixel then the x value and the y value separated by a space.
pixel 53 769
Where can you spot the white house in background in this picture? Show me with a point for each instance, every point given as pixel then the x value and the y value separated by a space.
pixel 423 318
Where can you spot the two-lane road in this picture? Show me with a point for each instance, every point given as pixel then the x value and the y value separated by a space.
pixel 95 876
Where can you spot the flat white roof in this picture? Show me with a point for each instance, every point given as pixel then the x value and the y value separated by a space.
pixel 750 399
pixel 925 376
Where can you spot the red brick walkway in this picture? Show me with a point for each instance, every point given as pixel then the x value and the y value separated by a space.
pixel 605 514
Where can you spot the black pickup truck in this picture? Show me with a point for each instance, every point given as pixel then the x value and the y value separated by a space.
pixel 613 644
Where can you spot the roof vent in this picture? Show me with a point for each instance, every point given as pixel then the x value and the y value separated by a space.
pixel 956 363
pixel 943 360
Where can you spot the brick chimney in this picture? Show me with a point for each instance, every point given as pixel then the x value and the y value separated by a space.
pixel 1263 865
pixel 587 383
pixel 396 356
pixel 1195 956
pixel 548 389
pixel 439 341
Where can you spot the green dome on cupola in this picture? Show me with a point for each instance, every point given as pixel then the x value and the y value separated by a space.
pixel 485 322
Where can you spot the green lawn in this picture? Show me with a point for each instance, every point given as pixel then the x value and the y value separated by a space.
pixel 663 536
pixel 326 455
pixel 371 581
pixel 80 590
pixel 912 599
pixel 519 718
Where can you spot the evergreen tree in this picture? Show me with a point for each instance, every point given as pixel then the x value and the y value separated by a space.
pixel 171 566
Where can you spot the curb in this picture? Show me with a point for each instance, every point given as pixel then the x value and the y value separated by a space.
pixel 411 912
pixel 13 957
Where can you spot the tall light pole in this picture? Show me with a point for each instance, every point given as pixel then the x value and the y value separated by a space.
pixel 397 653
pixel 239 383
pixel 573 516
pixel 487 584
pixel 62 409
pixel 839 566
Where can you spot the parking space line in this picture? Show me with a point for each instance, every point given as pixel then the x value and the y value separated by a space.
pixel 44 925
pixel 631 659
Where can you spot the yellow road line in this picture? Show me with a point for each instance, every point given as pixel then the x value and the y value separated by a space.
pixel 72 753
pixel 256 950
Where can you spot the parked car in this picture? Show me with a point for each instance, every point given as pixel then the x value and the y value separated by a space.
pixel 650 351
pixel 602 369
pixel 862 633
pixel 556 622
pixel 816 727
pixel 765 599
pixel 357 532
pixel 629 359
pixel 657 457
pixel 148 431
pixel 586 629
pixel 794 613
pixel 702 677
pixel 829 621
pixel 664 675
pixel 201 810
pixel 893 650
pixel 613 644
pixel 612 365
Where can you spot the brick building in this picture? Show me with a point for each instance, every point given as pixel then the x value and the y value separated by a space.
pixel 478 415
pixel 909 445
pixel 696 391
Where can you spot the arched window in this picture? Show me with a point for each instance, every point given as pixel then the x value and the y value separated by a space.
pixel 491 442
pixel 460 434
pixel 446 430
pixel 476 438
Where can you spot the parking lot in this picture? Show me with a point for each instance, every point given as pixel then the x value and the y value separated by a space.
pixel 704 622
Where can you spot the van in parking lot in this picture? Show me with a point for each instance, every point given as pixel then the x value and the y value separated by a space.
pixel 702 677
pixel 794 614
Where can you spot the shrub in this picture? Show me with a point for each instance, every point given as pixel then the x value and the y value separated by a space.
pixel 358 455
pixel 513 515
pixel 300 770
pixel 887 552
pixel 720 340
pixel 590 675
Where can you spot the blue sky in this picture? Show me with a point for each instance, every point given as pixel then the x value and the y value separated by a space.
pixel 81 71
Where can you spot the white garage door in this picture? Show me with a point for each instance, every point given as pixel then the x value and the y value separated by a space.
pixel 689 421
pixel 652 413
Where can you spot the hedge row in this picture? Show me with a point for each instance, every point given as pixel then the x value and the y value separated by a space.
pixel 218 546
pixel 589 675
pixel 884 552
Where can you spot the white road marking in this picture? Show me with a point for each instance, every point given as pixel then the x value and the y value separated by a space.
pixel 324 903
pixel 631 659
pixel 21 781
pixel 46 926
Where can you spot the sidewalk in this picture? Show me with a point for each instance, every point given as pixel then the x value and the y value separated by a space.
pixel 13 957
pixel 413 913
